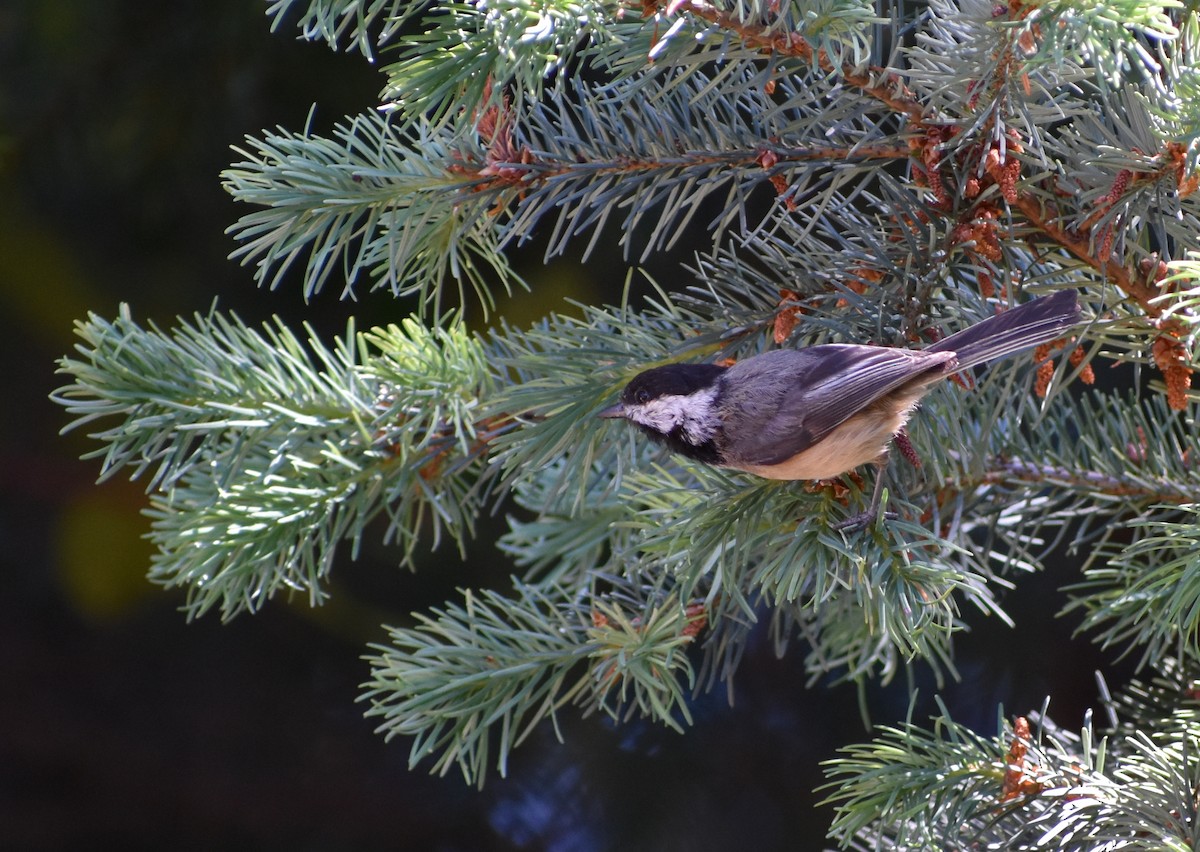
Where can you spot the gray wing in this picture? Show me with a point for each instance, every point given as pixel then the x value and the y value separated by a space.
pixel 783 402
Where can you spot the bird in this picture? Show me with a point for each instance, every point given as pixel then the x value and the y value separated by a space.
pixel 821 411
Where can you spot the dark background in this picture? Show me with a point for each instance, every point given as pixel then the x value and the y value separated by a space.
pixel 123 724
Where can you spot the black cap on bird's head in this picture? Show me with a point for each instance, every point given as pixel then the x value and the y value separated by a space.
pixel 671 380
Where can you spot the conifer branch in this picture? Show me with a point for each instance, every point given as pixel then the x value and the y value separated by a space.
pixel 264 452
pixel 919 787
pixel 351 20
pixel 497 667
pixel 875 81
pixel 1147 592
pixel 853 185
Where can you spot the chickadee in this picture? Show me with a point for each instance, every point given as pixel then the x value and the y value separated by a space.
pixel 819 412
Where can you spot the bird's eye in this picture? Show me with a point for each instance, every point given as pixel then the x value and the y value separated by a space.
pixel 641 396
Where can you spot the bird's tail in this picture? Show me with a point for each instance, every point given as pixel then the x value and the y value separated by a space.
pixel 1030 324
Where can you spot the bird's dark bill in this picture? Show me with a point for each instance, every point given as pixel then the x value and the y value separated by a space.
pixel 613 412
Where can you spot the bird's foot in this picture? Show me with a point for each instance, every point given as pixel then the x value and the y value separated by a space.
pixel 862 520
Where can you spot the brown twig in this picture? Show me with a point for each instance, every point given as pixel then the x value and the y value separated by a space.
pixel 879 83
pixel 525 173
pixel 1015 470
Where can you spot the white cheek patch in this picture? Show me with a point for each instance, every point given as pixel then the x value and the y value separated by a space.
pixel 662 414
pixel 695 414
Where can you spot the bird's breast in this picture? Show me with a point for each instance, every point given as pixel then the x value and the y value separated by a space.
pixel 861 439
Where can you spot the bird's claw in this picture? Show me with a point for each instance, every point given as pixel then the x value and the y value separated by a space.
pixel 862 520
